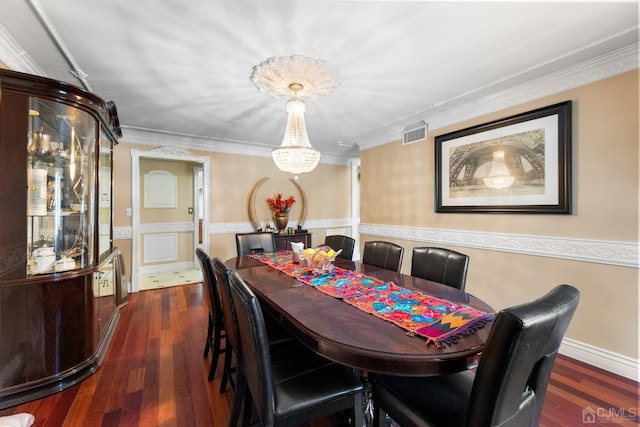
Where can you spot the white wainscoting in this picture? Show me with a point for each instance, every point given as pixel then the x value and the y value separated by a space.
pixel 160 247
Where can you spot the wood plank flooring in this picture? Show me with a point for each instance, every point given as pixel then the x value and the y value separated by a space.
pixel 154 375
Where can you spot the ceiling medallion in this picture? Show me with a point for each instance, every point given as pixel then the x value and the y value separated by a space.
pixel 295 78
pixel 275 75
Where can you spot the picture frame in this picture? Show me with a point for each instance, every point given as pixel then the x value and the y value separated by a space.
pixel 519 164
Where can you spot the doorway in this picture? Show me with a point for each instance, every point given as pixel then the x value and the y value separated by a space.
pixel 146 235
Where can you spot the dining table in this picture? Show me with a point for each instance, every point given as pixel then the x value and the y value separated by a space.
pixel 350 336
pixel 353 337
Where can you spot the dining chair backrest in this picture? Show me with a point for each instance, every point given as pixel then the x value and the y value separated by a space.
pixel 440 265
pixel 338 241
pixel 301 386
pixel 254 345
pixel 215 332
pixel 233 341
pixel 251 243
pixel 383 254
pixel 222 278
pixel 212 297
pixel 515 366
pixel 509 384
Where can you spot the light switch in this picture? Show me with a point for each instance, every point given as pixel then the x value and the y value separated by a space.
pixel 129 212
pixel 190 210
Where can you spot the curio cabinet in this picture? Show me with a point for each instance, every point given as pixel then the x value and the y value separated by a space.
pixel 59 271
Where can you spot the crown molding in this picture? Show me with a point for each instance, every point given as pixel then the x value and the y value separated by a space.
pixel 623 254
pixel 14 57
pixel 152 137
pixel 616 62
pixel 611 64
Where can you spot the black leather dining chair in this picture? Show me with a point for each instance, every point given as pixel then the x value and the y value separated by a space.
pixel 383 254
pixel 440 265
pixel 509 385
pixel 231 329
pixel 280 340
pixel 251 243
pixel 215 330
pixel 298 386
pixel 338 241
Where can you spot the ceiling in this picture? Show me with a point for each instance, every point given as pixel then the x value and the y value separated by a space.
pixel 184 67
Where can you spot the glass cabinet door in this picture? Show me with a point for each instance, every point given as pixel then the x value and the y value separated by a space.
pixel 60 190
pixel 105 206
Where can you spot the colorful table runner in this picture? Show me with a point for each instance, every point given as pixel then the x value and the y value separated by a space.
pixel 438 320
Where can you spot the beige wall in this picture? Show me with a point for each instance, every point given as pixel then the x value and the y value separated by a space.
pixel 232 177
pixel 397 189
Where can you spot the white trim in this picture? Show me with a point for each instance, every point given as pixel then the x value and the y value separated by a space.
pixel 151 137
pixel 122 233
pixel 166 227
pixel 169 152
pixel 625 254
pixel 245 227
pixel 160 247
pixel 600 358
pixel 599 251
pixel 14 57
pixel 165 268
pixel 611 64
pixel 355 206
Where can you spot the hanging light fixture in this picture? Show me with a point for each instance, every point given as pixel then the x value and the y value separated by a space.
pixel 499 176
pixel 295 78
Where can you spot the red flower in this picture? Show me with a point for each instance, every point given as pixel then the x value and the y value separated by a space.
pixel 279 205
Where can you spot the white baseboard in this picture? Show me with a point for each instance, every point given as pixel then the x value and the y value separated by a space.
pixel 603 359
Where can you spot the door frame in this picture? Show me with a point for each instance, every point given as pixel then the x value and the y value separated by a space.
pixel 166 153
pixel 197 205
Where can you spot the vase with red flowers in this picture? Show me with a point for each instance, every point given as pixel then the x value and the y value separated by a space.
pixel 280 208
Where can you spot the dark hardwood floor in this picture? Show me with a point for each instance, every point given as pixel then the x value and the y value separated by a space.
pixel 154 375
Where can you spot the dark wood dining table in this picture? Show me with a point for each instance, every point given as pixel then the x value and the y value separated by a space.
pixel 352 337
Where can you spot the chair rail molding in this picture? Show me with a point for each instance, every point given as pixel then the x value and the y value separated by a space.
pixel 625 254
pixel 246 227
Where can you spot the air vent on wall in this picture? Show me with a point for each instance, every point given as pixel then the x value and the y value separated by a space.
pixel 415 132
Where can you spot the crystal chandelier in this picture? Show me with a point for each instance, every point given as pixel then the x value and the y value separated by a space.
pixel 295 78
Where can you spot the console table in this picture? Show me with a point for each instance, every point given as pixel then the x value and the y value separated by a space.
pixel 283 241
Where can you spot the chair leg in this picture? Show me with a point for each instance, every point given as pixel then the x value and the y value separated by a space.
pixel 226 371
pixel 207 345
pixel 217 337
pixel 248 406
pixel 240 392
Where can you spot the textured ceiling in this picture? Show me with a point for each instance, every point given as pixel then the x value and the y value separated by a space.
pixel 184 66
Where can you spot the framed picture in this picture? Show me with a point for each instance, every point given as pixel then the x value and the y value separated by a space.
pixel 520 164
